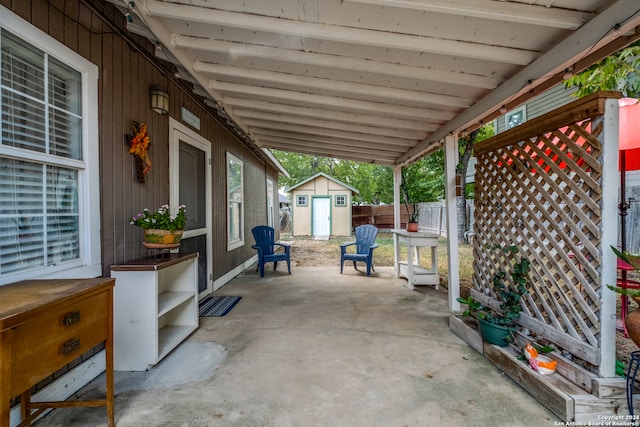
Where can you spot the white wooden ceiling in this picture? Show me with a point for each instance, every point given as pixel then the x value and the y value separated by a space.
pixel 380 81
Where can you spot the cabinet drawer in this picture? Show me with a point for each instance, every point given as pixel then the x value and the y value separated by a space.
pixel 46 343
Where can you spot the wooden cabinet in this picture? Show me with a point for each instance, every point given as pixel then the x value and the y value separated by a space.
pixel 44 325
pixel 155 308
pixel 412 270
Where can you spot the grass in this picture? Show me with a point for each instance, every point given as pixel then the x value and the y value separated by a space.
pixel 384 255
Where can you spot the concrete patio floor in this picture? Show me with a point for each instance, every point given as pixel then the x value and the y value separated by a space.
pixel 316 348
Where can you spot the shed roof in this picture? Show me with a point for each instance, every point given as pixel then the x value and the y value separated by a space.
pixel 319 174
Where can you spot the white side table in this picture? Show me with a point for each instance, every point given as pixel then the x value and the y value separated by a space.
pixel 414 272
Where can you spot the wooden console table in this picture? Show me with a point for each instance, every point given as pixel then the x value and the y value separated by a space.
pixel 44 325
pixel 414 272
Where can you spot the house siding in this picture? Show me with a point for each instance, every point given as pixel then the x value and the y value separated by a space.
pixel 127 70
pixel 552 99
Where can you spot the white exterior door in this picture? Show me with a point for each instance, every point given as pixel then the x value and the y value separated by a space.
pixel 321 217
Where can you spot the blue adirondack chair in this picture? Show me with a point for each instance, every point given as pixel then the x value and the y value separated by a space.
pixel 265 245
pixel 365 244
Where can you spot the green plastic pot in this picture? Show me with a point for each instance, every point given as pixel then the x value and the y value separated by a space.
pixel 495 334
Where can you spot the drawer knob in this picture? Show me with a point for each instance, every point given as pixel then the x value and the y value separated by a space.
pixel 71 346
pixel 71 318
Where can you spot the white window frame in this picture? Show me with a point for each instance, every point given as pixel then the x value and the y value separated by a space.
pixel 270 208
pixel 522 109
pixel 235 243
pixel 306 200
pixel 89 262
pixel 340 205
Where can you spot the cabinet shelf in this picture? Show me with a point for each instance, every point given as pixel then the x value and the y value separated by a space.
pixel 170 336
pixel 167 301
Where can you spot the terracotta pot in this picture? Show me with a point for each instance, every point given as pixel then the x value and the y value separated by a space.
pixel 159 239
pixel 632 323
pixel 412 226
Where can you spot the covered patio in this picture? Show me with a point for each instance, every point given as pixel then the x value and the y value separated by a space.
pixel 319 348
pixel 379 81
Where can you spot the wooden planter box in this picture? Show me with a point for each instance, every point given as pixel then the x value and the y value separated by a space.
pixel 573 394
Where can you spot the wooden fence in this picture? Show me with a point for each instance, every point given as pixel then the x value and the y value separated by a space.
pixel 432 216
pixel 379 215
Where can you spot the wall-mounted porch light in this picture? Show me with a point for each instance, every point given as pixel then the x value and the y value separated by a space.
pixel 159 101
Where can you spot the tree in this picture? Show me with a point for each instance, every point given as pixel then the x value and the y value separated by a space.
pixel 618 72
pixel 465 147
pixel 423 180
pixel 302 166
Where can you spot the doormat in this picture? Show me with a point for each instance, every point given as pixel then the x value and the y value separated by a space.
pixel 217 306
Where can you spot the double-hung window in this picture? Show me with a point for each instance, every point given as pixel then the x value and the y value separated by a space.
pixel 49 203
pixel 235 198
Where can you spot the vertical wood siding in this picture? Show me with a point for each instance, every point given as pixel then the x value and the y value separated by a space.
pixel 128 69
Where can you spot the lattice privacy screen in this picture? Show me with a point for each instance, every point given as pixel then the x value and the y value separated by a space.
pixel 539 187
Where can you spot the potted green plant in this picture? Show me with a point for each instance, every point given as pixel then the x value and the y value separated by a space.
pixel 161 228
pixel 497 326
pixel 412 224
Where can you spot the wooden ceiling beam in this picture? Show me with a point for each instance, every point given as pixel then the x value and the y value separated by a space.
pixel 374 151
pixel 244 104
pixel 331 124
pixel 346 104
pixel 384 93
pixel 320 31
pixel 326 139
pixel 498 10
pixel 332 153
pixel 346 135
pixel 313 59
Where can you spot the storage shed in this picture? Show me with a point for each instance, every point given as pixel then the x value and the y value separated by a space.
pixel 321 207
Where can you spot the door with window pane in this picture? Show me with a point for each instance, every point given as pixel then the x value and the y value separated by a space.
pixel 193 191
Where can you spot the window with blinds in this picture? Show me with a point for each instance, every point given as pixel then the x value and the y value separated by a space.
pixel 40 158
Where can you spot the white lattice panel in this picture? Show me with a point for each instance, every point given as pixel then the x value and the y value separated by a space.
pixel 540 188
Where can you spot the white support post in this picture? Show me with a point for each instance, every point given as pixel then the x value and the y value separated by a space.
pixel 451 160
pixel 609 238
pixel 397 179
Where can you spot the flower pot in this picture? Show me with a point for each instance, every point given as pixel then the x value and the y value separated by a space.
pixel 495 334
pixel 162 239
pixel 412 226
